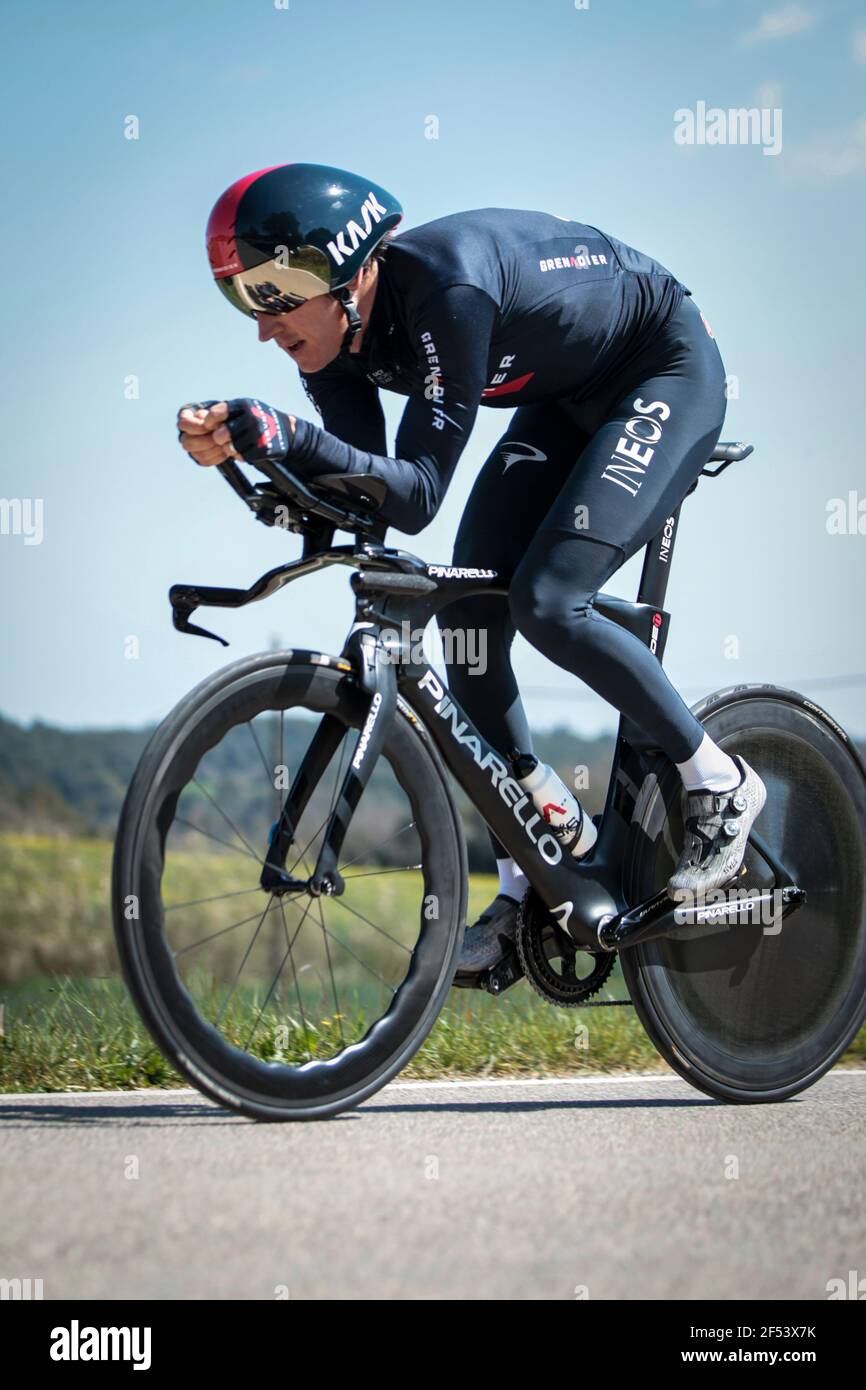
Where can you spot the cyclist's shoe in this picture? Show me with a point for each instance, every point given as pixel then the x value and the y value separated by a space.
pixel 482 947
pixel 717 826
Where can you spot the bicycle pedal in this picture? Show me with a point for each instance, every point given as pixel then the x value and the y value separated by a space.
pixel 503 975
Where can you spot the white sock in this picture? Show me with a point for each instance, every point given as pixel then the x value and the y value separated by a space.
pixel 512 880
pixel 709 769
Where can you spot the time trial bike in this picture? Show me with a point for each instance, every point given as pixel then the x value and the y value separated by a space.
pixel 290 871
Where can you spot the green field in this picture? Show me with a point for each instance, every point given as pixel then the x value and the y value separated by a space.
pixel 67 1023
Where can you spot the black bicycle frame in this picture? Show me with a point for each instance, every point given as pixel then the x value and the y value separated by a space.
pixel 397 595
pixel 392 609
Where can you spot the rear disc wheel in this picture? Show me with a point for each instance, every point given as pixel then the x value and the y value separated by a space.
pixel 757 1012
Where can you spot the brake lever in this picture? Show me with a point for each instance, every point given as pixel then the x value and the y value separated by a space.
pixel 197 631
pixel 180 618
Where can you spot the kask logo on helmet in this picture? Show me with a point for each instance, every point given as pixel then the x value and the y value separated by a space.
pixel 372 212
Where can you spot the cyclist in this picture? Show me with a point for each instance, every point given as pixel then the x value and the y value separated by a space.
pixel 619 389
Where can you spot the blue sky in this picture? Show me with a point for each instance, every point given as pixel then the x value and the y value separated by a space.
pixel 539 104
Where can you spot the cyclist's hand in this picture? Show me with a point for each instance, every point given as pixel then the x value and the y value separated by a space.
pixel 213 431
pixel 195 427
pixel 255 431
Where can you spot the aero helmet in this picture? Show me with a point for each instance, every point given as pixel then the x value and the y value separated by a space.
pixel 284 235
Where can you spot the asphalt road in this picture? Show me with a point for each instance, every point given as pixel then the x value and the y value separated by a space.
pixel 633 1187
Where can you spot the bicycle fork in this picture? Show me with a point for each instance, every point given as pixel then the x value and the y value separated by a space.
pixel 378 681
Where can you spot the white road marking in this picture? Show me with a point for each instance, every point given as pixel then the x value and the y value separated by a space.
pixel 595 1080
pixel 154 1093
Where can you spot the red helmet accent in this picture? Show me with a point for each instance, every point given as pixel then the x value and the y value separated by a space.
pixel 221 249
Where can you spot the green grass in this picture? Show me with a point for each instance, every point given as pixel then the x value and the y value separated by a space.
pixel 64 1030
pixel 67 1034
pixel 54 907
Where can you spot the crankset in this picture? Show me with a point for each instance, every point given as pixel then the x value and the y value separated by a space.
pixel 557 969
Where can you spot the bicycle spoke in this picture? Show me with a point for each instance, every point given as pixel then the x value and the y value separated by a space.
pixel 295 975
pixel 228 821
pixel 402 831
pixel 217 898
pixel 381 930
pixel 268 772
pixel 337 1011
pixel 273 986
pixel 303 853
pixel 390 988
pixel 245 959
pixel 222 932
pixel 376 873
pixel 181 820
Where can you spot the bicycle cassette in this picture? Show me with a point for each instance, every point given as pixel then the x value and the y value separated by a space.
pixel 556 968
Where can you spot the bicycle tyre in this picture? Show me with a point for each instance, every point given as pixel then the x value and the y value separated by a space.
pixel 266 1089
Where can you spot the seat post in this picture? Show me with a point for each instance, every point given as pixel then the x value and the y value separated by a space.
pixel 659 551
pixel 657 563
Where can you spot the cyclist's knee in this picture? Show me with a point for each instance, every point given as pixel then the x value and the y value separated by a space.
pixel 545 611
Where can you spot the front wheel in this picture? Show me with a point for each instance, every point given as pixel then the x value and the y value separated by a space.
pixel 286 1007
pixel 758 1012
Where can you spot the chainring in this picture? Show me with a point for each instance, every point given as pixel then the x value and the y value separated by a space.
pixel 549 958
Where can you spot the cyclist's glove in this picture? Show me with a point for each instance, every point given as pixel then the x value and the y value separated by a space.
pixel 258 431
